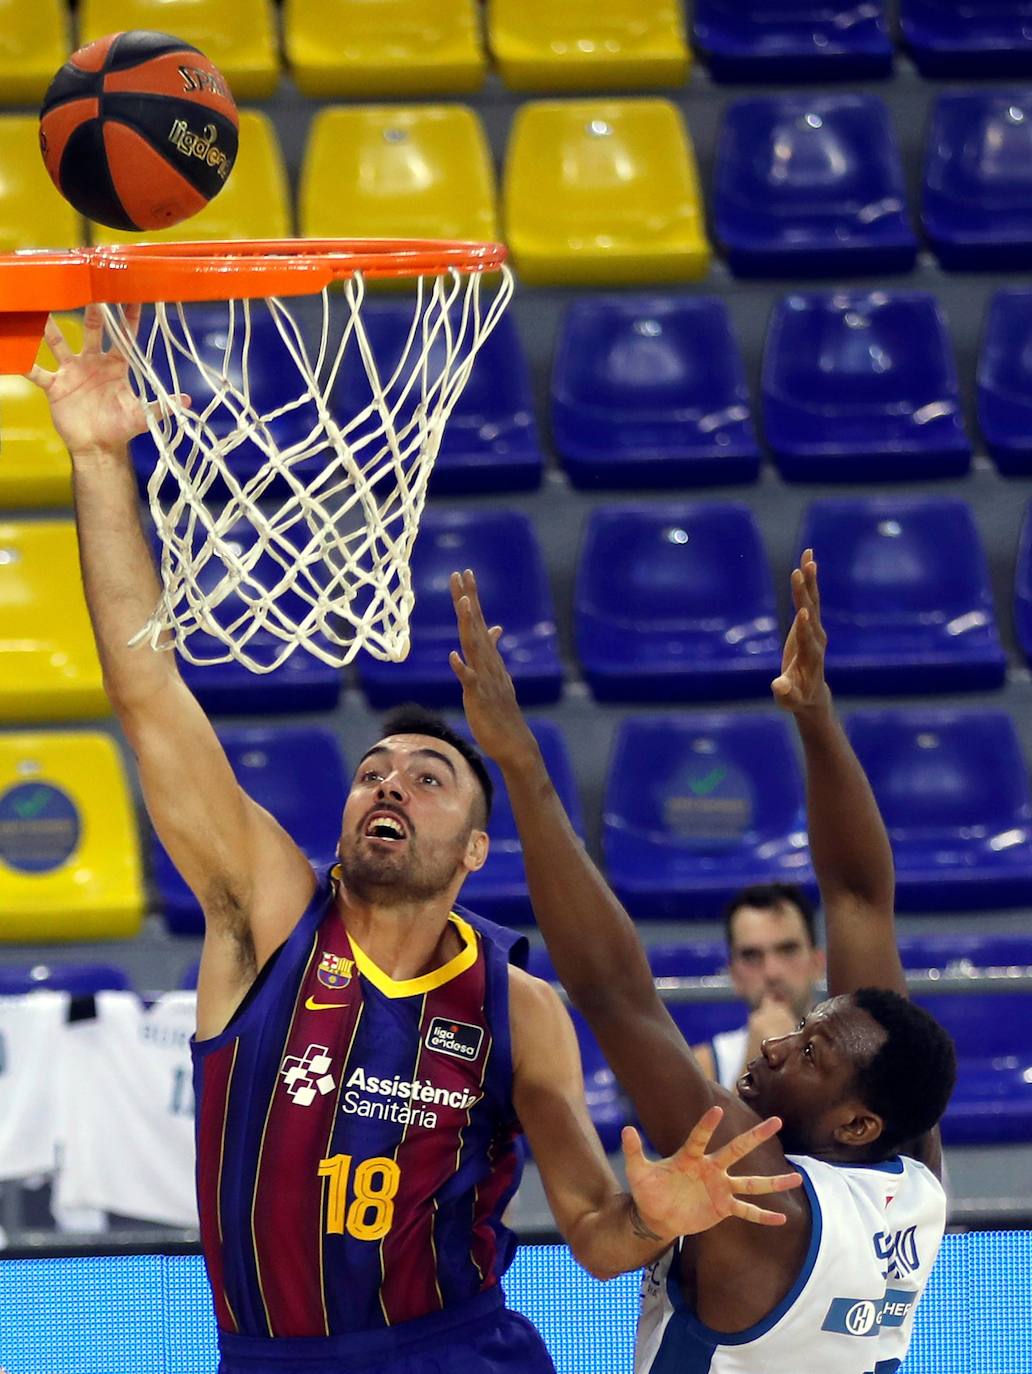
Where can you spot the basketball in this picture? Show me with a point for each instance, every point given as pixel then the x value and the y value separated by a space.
pixel 138 130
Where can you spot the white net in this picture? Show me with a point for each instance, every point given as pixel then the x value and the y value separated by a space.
pixel 287 490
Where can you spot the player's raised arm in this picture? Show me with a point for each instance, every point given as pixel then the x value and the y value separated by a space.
pixel 848 842
pixel 593 943
pixel 226 847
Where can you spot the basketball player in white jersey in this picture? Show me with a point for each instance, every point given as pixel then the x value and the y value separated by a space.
pixel 860 1084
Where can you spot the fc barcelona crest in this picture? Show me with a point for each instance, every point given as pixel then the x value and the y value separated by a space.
pixel 335 971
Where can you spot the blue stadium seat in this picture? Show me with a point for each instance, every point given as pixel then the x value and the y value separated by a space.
pixel 650 391
pixel 273 382
pixel 501 546
pixel 1004 381
pixel 1023 587
pixel 860 387
pixel 77 979
pixel 499 890
pixel 972 950
pixel 992 1101
pixel 491 440
pixel 975 204
pixel 302 682
pixel 297 773
pixel 688 959
pixel 698 806
pixel 953 790
pixel 809 186
pixel 905 595
pixel 662 613
pixel 801 40
pixel 699 1022
pixel 968 38
pixel 189 976
pixel 608 1107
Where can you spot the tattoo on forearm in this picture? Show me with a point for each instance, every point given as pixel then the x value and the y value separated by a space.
pixel 639 1228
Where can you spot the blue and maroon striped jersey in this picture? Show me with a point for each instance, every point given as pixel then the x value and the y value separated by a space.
pixel 356 1138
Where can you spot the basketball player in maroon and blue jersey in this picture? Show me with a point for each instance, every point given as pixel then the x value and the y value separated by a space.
pixel 367 1052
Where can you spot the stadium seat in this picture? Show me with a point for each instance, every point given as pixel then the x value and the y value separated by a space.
pixel 698 806
pixel 253 204
pixel 302 682
pixel 905 596
pixel 513 583
pixel 491 439
pixel 69 852
pixel 953 789
pixel 419 171
pixel 802 40
pixel 663 611
pixel 1005 381
pixel 33 213
pixel 688 959
pixel 499 890
pixel 595 45
pixel 78 979
pixel 36 42
pixel 394 48
pixel 862 388
pixel 810 186
pixel 298 774
pixel 699 1022
pixel 968 38
pixel 35 469
pixel 650 391
pixel 608 1106
pixel 603 192
pixel 975 205
pixel 968 951
pixel 1023 587
pixel 49 668
pixel 992 1101
pixel 239 36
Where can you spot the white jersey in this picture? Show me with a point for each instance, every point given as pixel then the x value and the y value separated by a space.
pixel 129 1110
pixel 31 1029
pixel 876 1232
pixel 729 1056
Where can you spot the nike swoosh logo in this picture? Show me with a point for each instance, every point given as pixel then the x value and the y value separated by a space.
pixel 323 1006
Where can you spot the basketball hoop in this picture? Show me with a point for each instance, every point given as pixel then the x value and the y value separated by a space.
pixel 310 546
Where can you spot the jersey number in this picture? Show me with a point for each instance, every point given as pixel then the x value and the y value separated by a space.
pixel 370 1214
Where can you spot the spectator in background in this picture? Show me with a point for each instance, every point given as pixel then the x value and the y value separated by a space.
pixel 775 966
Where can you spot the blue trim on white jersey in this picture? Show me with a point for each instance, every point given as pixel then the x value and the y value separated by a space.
pixel 689 1345
pixel 887 1166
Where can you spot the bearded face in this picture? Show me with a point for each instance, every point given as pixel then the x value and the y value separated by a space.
pixel 386 859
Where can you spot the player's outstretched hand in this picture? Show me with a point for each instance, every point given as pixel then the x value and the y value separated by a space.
pixel 488 696
pixel 801 685
pixel 692 1190
pixel 93 407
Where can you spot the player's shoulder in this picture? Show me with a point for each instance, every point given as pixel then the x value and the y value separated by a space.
pixel 528 992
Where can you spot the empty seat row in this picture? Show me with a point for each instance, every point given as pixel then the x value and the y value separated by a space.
pixel 697 805
pixel 661 613
pixel 607 190
pixel 647 392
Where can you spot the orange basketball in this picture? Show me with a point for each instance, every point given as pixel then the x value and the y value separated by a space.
pixel 138 130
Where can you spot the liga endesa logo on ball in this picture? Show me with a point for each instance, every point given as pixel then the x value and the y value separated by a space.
pixel 203 145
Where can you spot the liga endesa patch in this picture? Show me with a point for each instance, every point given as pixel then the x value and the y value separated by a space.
pixel 456 1038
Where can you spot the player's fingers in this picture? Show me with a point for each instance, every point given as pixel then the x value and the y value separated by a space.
pixel 701 1134
pixel 743 1144
pixel 131 314
pixel 630 1143
pixel 812 585
pixel 756 1184
pixel 749 1212
pixel 496 633
pixel 92 329
pixel 458 667
pixel 56 341
pixel 40 377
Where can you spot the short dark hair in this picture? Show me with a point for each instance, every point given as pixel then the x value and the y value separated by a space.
pixel 909 1079
pixel 412 719
pixel 769 896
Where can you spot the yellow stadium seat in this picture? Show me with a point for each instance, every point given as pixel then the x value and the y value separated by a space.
pixel 35 40
pixel 603 191
pixel 253 204
pixel 33 214
pixel 588 44
pixel 239 36
pixel 383 47
pixel 49 668
pixel 69 847
pixel 396 171
pixel 35 469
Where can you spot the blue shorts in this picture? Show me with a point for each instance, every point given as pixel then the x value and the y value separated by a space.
pixel 480 1337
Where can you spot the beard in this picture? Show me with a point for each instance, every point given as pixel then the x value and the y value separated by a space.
pixel 378 874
